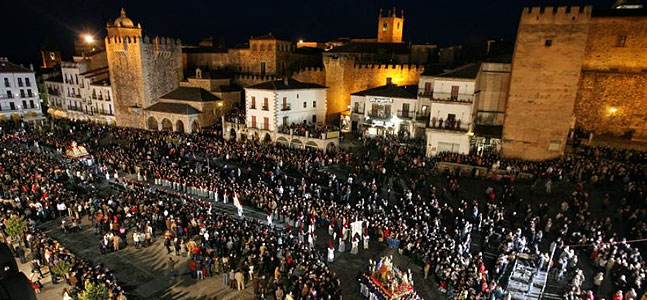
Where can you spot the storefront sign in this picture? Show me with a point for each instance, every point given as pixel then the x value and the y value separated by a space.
pixel 380 100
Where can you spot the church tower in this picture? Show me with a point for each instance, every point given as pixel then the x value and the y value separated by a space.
pixel 389 29
pixel 141 69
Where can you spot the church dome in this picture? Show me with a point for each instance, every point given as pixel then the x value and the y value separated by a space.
pixel 124 21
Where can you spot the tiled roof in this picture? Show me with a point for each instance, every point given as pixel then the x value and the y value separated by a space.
pixel 468 71
pixel 8 67
pixel 173 108
pixel 391 90
pixel 190 94
pixel 268 36
pixel 280 85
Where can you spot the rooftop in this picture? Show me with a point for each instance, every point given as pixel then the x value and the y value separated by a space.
pixel 102 82
pixel 620 12
pixel 173 108
pixel 267 37
pixel 190 94
pixel 280 85
pixel 391 90
pixel 8 67
pixel 377 48
pixel 468 71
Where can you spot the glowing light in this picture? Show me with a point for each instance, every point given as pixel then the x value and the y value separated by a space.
pixel 219 104
pixel 300 41
pixel 88 38
pixel 613 110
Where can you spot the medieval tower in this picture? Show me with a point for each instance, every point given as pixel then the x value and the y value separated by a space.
pixel 389 27
pixel 546 64
pixel 141 69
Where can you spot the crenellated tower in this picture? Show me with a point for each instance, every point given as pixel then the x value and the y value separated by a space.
pixel 546 65
pixel 141 69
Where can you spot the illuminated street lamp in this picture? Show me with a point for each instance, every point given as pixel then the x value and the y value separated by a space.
pixel 89 39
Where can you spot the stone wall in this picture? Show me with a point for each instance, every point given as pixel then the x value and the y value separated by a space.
pixel 605 51
pixel 546 64
pixel 126 79
pixel 141 70
pixel 344 77
pixel 311 75
pixel 612 102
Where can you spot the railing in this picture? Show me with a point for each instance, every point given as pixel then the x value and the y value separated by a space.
pixel 449 97
pixel 286 107
pixel 406 114
pixel 265 107
pixel 489 117
pixel 460 127
pixel 422 116
pixel 379 116
pixel 7 97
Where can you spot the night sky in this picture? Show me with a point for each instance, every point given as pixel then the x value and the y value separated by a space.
pixel 28 25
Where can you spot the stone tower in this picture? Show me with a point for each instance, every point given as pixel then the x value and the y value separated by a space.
pixel 546 65
pixel 389 27
pixel 141 69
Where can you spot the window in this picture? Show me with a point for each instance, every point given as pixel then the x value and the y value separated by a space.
pixel 253 104
pixel 454 94
pixel 29 93
pixel 76 77
pixel 548 43
pixel 110 108
pixel 27 82
pixel 620 42
pixel 20 82
pixel 285 103
pixel 31 103
pixel 253 121
pixel 22 93
pixel 285 121
pixel 6 82
pixel 9 95
pixel 305 104
pixel 384 27
pixel 263 68
pixel 405 110
pixel 266 105
pixel 314 103
pixel 427 88
pixel 356 110
pixel 398 27
pixel 266 123
pixel 314 118
pixel 12 106
pixel 297 96
pixel 24 104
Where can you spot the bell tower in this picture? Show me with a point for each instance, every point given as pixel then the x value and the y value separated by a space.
pixel 389 27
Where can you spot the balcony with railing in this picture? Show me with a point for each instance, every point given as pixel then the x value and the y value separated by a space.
pixel 53 92
pixel 286 107
pixel 265 107
pixel 449 97
pixel 406 114
pixel 379 115
pixel 448 125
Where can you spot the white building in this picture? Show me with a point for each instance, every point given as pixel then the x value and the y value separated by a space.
pixel 286 112
pixel 18 92
pixel 83 91
pixel 451 96
pixel 387 109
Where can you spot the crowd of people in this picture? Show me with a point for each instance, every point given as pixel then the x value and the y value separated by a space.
pixel 392 194
pixel 312 129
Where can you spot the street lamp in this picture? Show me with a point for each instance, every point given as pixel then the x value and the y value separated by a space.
pixel 89 39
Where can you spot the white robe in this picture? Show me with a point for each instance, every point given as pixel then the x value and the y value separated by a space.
pixel 366 239
pixel 342 245
pixel 331 255
pixel 355 247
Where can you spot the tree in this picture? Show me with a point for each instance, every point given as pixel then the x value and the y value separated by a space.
pixel 16 226
pixel 94 291
pixel 62 268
